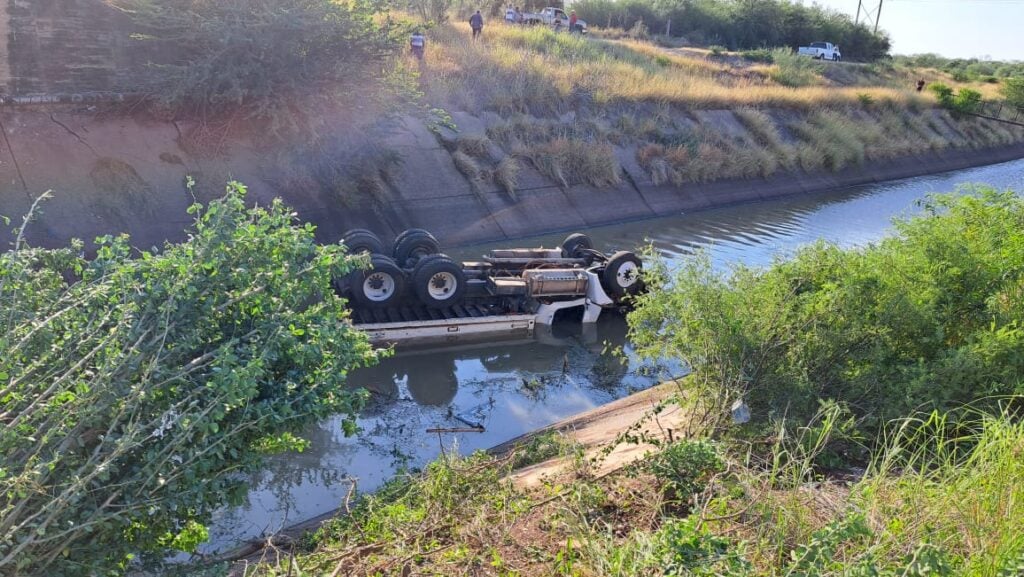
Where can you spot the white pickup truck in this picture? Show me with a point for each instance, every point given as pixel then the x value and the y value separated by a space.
pixel 822 51
pixel 554 17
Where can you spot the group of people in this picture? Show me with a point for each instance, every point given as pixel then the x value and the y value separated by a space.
pixel 513 15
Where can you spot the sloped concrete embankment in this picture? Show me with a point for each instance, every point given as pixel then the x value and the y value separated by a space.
pixel 113 174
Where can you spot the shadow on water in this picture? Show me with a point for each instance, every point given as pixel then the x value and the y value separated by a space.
pixel 512 388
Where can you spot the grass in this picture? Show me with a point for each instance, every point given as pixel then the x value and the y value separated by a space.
pixel 569 102
pixel 941 489
pixel 538 71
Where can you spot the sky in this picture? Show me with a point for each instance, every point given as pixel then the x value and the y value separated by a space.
pixel 953 28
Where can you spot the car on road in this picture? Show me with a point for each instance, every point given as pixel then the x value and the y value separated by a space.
pixel 821 51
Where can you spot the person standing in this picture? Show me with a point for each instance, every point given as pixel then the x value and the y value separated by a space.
pixel 510 15
pixel 418 44
pixel 476 22
pixel 572 22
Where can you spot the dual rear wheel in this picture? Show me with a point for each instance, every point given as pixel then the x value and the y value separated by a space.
pixel 415 268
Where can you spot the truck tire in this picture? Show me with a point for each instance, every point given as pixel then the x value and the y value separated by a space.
pixel 621 276
pixel 360 240
pixel 406 233
pixel 575 245
pixel 413 245
pixel 439 282
pixel 380 287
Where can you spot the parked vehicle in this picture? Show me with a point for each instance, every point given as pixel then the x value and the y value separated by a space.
pixel 553 16
pixel 822 51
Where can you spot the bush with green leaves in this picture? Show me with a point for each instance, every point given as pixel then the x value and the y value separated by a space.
pixel 1013 91
pixel 965 100
pixel 793 69
pixel 139 388
pixel 930 318
pixel 685 547
pixel 268 58
pixel 684 468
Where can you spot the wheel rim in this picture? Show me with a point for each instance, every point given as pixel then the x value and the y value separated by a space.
pixel 627 275
pixel 378 286
pixel 442 286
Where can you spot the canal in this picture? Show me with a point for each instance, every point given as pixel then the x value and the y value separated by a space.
pixel 512 388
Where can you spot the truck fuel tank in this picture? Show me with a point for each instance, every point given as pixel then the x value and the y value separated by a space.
pixel 553 282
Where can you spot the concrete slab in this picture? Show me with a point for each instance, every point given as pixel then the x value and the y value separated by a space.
pixel 536 211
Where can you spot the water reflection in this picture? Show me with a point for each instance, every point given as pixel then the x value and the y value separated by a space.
pixel 511 388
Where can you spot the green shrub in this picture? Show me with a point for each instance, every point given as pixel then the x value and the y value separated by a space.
pixel 134 401
pixel 792 69
pixel 717 50
pixel 943 93
pixel 931 317
pixel 759 55
pixel 684 468
pixel 964 100
pixel 1013 91
pixel 540 448
pixel 686 548
pixel 967 100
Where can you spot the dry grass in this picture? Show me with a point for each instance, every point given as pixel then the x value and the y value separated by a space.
pixel 534 70
pixel 795 115
pixel 506 175
pixel 569 161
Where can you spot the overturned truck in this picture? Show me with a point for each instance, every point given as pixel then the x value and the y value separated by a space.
pixel 414 295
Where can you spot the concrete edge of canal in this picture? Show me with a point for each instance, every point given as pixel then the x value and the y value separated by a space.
pixel 592 431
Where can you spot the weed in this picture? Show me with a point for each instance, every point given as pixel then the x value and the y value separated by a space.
pixel 507 175
pixel 794 70
pixel 539 448
pixel 684 468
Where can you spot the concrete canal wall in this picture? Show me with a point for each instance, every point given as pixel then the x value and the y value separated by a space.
pixel 112 173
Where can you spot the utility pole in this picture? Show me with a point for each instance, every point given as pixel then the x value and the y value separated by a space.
pixel 870 14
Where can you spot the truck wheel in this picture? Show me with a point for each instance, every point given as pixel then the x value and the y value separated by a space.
pixel 406 233
pixel 360 240
pixel 621 275
pixel 379 287
pixel 413 245
pixel 575 246
pixel 439 282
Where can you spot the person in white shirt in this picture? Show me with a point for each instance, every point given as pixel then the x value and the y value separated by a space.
pixel 418 44
pixel 510 15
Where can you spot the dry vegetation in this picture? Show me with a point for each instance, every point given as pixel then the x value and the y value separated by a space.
pixel 568 102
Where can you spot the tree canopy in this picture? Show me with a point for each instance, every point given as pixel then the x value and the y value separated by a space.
pixel 740 24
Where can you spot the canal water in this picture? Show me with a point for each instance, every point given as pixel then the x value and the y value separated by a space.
pixel 512 388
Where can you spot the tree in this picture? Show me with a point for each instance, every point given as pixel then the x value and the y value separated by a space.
pixel 261 56
pixel 1013 91
pixel 138 388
